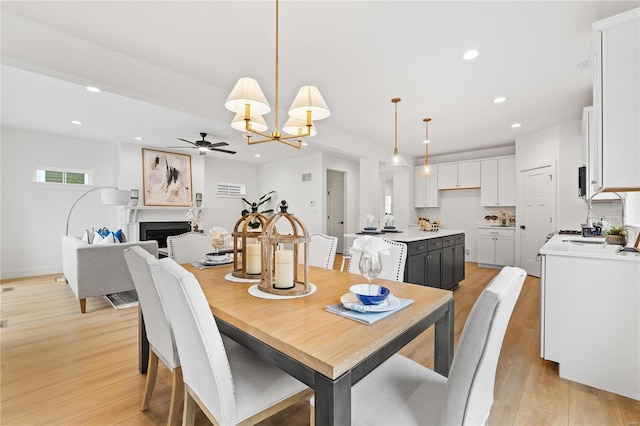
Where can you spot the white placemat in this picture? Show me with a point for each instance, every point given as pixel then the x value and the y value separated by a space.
pixel 256 292
pixel 231 277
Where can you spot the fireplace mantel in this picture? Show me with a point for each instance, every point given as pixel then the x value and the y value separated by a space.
pixel 133 215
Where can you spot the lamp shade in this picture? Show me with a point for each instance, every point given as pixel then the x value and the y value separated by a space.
pixel 293 126
pixel 309 99
pixel 247 91
pixel 396 162
pixel 115 197
pixel 257 123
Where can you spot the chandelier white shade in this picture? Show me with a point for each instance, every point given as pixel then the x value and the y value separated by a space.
pixel 247 91
pixel 309 100
pixel 293 126
pixel 249 103
pixel 257 122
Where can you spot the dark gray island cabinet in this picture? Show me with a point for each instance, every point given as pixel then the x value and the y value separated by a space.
pixel 434 259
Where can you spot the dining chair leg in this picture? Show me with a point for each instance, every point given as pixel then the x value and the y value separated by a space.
pixel 189 414
pixel 83 306
pixel 177 396
pixel 152 373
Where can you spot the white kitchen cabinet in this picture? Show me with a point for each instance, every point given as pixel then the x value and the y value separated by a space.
pixel 590 315
pixel 616 107
pixel 459 175
pixel 426 188
pixel 498 182
pixel 496 247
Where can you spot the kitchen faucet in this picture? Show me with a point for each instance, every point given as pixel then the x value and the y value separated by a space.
pixel 622 215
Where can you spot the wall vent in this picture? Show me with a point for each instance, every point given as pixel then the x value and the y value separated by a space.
pixel 226 189
pixel 306 177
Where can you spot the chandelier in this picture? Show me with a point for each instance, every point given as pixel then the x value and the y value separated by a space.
pixel 249 103
pixel 426 170
pixel 395 162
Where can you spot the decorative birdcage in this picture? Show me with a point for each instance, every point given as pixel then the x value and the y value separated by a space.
pixel 283 271
pixel 246 238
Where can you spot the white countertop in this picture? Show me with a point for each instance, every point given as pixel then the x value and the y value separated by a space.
pixel 560 245
pixel 511 227
pixel 410 235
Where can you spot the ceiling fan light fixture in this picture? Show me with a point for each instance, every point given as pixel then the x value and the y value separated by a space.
pixel 396 162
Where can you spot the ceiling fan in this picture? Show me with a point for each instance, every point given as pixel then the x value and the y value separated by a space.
pixel 205 146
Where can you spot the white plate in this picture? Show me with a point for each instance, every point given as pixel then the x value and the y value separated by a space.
pixel 390 304
pixel 208 262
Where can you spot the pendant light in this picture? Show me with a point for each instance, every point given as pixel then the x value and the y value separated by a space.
pixel 426 170
pixel 396 162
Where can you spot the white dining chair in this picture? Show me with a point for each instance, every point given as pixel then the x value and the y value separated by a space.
pixel 161 342
pixel 392 265
pixel 403 392
pixel 231 385
pixel 322 250
pixel 189 247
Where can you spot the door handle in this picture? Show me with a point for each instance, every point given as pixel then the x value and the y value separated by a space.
pixel 341 222
pixel 522 227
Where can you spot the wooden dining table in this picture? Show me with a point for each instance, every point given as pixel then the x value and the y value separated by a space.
pixel 328 352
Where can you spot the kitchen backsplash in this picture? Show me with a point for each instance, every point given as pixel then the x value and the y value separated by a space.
pixel 493 215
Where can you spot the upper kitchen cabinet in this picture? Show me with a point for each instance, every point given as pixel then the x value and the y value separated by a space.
pixel 426 188
pixel 616 108
pixel 498 182
pixel 459 175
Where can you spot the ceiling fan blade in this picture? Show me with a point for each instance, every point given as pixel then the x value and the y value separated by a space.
pixel 222 150
pixel 183 147
pixel 217 144
pixel 184 140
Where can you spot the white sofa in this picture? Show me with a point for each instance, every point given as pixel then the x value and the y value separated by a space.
pixel 97 270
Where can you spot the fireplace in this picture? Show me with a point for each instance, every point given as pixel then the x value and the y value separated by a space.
pixel 159 231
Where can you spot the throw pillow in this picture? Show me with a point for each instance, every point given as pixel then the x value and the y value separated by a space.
pixel 109 239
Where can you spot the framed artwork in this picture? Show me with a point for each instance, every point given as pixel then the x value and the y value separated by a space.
pixel 166 178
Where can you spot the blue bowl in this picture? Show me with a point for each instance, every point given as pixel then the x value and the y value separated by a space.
pixel 370 294
pixel 368 228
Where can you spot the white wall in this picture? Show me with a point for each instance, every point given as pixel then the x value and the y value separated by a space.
pixel 34 215
pixel 306 200
pixel 224 210
pixel 351 189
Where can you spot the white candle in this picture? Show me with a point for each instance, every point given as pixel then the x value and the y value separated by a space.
pixel 284 269
pixel 254 265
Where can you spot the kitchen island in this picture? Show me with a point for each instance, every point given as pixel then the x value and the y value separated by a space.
pixel 590 313
pixel 435 259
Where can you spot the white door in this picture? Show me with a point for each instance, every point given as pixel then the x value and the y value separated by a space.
pixel 335 206
pixel 537 214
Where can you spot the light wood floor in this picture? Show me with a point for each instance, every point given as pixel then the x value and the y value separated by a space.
pixel 60 367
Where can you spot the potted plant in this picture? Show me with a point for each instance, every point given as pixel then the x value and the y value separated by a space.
pixel 616 235
pixel 254 208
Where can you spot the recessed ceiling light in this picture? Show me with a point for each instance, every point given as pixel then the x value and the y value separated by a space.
pixel 470 54
pixel 257 155
pixel 499 100
pixel 515 125
pixel 76 122
pixel 93 89
pixel 138 138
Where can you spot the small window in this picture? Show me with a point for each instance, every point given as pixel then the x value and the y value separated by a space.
pixel 231 189
pixel 62 176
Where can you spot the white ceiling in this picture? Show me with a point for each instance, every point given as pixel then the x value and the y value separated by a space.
pixel 166 67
